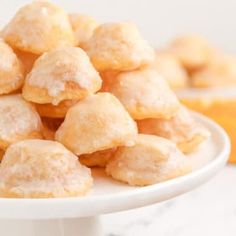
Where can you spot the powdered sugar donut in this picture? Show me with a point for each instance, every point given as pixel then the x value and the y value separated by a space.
pixel 11 70
pixel 118 46
pixel 181 129
pixel 39 27
pixel 96 123
pixel 42 169
pixel 144 93
pixel 83 27
pixel 151 160
pixel 19 120
pixel 61 74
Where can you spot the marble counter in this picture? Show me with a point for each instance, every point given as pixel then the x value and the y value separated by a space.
pixel 208 210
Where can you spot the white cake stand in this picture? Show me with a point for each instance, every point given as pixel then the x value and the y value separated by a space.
pixel 79 216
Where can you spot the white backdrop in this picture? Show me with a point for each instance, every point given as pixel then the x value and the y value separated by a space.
pixel 158 20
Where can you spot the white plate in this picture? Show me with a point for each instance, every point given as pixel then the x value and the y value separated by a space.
pixel 111 196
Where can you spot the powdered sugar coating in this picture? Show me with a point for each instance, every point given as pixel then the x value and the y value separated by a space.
pixel 39 169
pixel 144 93
pixel 18 120
pixel 83 27
pixel 118 46
pixel 11 71
pixel 151 160
pixel 182 129
pixel 64 73
pixel 38 27
pixel 96 123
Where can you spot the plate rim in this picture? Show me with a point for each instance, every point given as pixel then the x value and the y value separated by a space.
pixel 28 206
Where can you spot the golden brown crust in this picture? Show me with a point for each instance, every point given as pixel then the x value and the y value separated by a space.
pixel 27 59
pixel 1 154
pixel 51 111
pixel 97 159
pixel 50 126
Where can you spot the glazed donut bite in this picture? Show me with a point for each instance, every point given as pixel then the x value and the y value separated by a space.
pixel 42 169
pixel 171 69
pixel 39 27
pixel 118 46
pixel 182 129
pixel 83 27
pixel 145 94
pixel 151 160
pixel 11 70
pixel 96 123
pixel 18 120
pixel 59 75
pixel 193 51
pixel 97 159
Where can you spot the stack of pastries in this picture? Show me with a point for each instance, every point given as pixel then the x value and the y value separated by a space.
pixel 76 94
pixel 204 78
